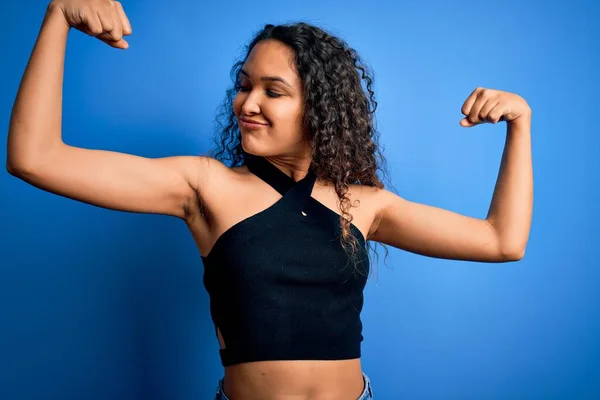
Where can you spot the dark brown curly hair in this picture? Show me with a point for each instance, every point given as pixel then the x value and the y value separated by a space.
pixel 339 108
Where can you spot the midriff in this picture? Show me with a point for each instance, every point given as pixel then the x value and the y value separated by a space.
pixel 294 380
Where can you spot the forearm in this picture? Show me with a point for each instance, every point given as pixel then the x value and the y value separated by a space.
pixel 512 203
pixel 35 125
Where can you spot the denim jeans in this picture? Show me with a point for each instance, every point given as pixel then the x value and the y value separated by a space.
pixel 367 394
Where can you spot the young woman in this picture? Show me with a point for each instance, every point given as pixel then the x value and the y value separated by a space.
pixel 283 228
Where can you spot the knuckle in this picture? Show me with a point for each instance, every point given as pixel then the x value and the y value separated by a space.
pixel 95 29
pixel 84 13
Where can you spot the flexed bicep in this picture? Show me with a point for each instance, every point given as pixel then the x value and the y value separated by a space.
pixel 435 232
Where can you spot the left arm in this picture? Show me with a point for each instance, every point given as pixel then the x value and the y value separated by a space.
pixel 502 236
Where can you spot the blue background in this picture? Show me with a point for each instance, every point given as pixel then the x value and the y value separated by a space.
pixel 100 304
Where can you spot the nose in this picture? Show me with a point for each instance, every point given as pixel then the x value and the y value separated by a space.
pixel 251 104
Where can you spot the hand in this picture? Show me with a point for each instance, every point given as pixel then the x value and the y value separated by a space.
pixel 103 19
pixel 489 105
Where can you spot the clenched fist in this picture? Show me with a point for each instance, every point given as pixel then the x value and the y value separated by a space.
pixel 103 19
pixel 489 105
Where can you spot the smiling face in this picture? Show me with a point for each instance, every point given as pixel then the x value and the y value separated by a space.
pixel 271 95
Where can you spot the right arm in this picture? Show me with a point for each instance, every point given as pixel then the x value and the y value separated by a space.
pixel 38 155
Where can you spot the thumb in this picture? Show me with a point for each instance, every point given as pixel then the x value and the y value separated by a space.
pixel 118 44
pixel 465 123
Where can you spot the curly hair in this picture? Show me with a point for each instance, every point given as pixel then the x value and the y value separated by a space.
pixel 338 114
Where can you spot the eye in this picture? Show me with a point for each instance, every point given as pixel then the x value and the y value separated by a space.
pixel 246 88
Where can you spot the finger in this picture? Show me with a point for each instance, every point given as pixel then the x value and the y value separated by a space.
pixel 110 23
pixel 496 113
pixel 466 123
pixel 117 32
pixel 93 26
pixel 468 104
pixel 485 109
pixel 473 116
pixel 105 20
pixel 118 44
pixel 123 18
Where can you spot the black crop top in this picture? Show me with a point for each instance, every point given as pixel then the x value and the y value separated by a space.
pixel 281 286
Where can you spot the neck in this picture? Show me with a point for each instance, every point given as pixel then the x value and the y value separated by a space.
pixel 294 167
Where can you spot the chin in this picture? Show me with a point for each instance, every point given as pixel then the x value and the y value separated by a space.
pixel 251 144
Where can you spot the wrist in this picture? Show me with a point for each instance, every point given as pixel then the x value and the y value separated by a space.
pixel 523 120
pixel 520 127
pixel 54 12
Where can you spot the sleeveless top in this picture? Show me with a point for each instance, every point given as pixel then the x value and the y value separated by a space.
pixel 281 285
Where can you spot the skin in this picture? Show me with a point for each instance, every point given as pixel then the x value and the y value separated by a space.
pixel 185 187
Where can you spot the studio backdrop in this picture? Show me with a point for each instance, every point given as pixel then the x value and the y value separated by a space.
pixel 98 304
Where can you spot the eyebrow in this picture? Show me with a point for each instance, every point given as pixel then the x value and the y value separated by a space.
pixel 269 78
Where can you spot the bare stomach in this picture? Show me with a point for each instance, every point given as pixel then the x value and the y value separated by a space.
pixel 295 380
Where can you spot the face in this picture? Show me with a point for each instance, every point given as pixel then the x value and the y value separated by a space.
pixel 271 96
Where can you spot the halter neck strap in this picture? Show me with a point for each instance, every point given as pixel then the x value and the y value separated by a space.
pixel 297 192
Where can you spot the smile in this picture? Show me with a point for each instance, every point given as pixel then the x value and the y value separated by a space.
pixel 250 125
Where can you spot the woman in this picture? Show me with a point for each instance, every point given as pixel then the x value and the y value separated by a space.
pixel 282 231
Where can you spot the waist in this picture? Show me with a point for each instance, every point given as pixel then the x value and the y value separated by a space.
pixel 294 379
pixel 278 350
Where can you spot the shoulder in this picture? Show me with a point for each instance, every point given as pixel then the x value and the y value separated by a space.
pixel 372 201
pixel 372 196
pixel 205 173
pixel 363 196
pixel 208 181
pixel 365 201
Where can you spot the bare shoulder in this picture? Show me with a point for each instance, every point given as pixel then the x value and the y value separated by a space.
pixel 369 201
pixel 364 196
pixel 365 202
pixel 204 173
pixel 378 200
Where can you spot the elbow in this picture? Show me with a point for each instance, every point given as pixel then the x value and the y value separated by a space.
pixel 26 158
pixel 512 253
pixel 21 170
pixel 509 248
pixel 12 168
pixel 18 163
pixel 26 163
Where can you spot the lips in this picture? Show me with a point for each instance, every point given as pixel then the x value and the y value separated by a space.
pixel 251 121
pixel 250 124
